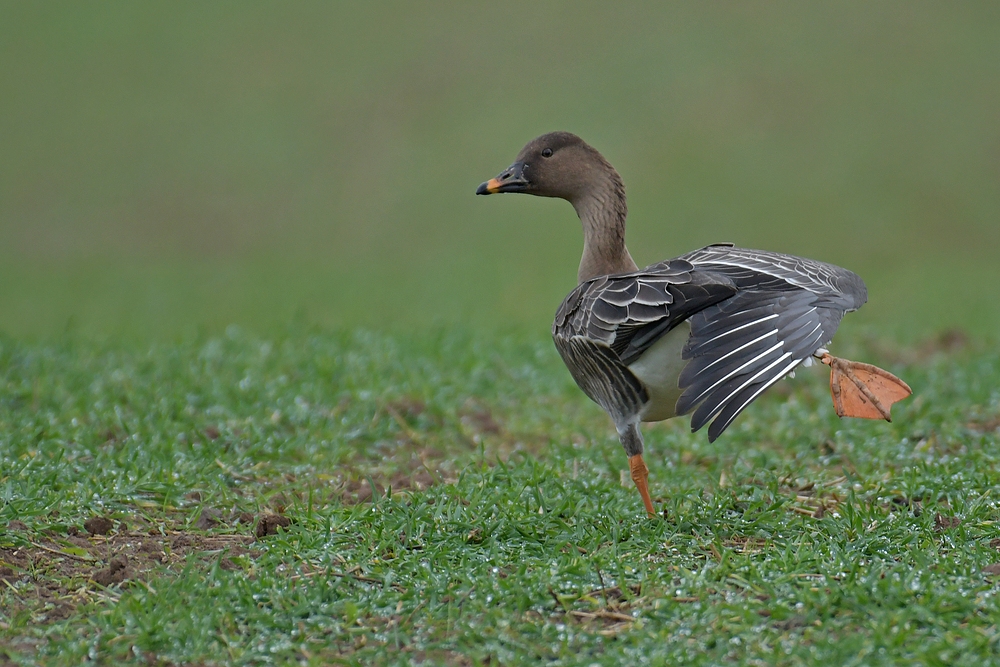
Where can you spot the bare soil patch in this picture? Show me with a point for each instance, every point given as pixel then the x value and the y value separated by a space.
pixel 54 572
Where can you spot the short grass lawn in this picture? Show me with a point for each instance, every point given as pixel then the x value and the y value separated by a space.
pixel 322 498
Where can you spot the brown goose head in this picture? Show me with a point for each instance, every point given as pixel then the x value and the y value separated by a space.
pixel 560 164
pixel 557 164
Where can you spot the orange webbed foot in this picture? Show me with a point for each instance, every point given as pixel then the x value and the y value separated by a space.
pixel 862 390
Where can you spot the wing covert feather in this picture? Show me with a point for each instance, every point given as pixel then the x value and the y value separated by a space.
pixel 629 312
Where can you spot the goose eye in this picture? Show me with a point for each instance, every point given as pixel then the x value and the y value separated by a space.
pixel 546 152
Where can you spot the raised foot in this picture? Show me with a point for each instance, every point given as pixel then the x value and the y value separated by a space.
pixel 862 390
pixel 640 473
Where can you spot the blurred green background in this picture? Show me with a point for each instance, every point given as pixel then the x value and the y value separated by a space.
pixel 177 167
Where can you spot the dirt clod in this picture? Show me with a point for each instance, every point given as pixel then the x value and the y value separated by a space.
pixel 942 522
pixel 209 518
pixel 992 570
pixel 115 573
pixel 791 623
pixel 17 525
pixel 98 525
pixel 268 524
pixel 614 593
pixel 150 547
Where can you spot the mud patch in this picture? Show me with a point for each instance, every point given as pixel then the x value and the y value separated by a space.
pixel 51 574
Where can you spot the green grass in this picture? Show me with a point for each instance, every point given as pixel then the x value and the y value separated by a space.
pixel 508 514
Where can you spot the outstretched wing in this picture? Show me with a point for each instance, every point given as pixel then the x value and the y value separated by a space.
pixel 787 307
pixel 762 270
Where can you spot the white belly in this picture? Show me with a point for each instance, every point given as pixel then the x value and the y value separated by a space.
pixel 659 369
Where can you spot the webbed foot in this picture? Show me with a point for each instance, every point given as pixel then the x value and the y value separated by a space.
pixel 862 390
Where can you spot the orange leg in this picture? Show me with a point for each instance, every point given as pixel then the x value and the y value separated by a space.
pixel 863 390
pixel 639 475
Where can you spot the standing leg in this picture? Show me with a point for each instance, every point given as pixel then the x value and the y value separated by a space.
pixel 631 440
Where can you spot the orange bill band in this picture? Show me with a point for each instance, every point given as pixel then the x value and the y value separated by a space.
pixel 492 186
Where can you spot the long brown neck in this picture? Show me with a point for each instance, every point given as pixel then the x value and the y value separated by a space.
pixel 602 212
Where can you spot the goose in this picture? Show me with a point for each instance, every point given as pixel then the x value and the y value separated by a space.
pixel 703 334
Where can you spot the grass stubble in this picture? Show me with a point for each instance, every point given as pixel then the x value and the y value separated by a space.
pixel 449 498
